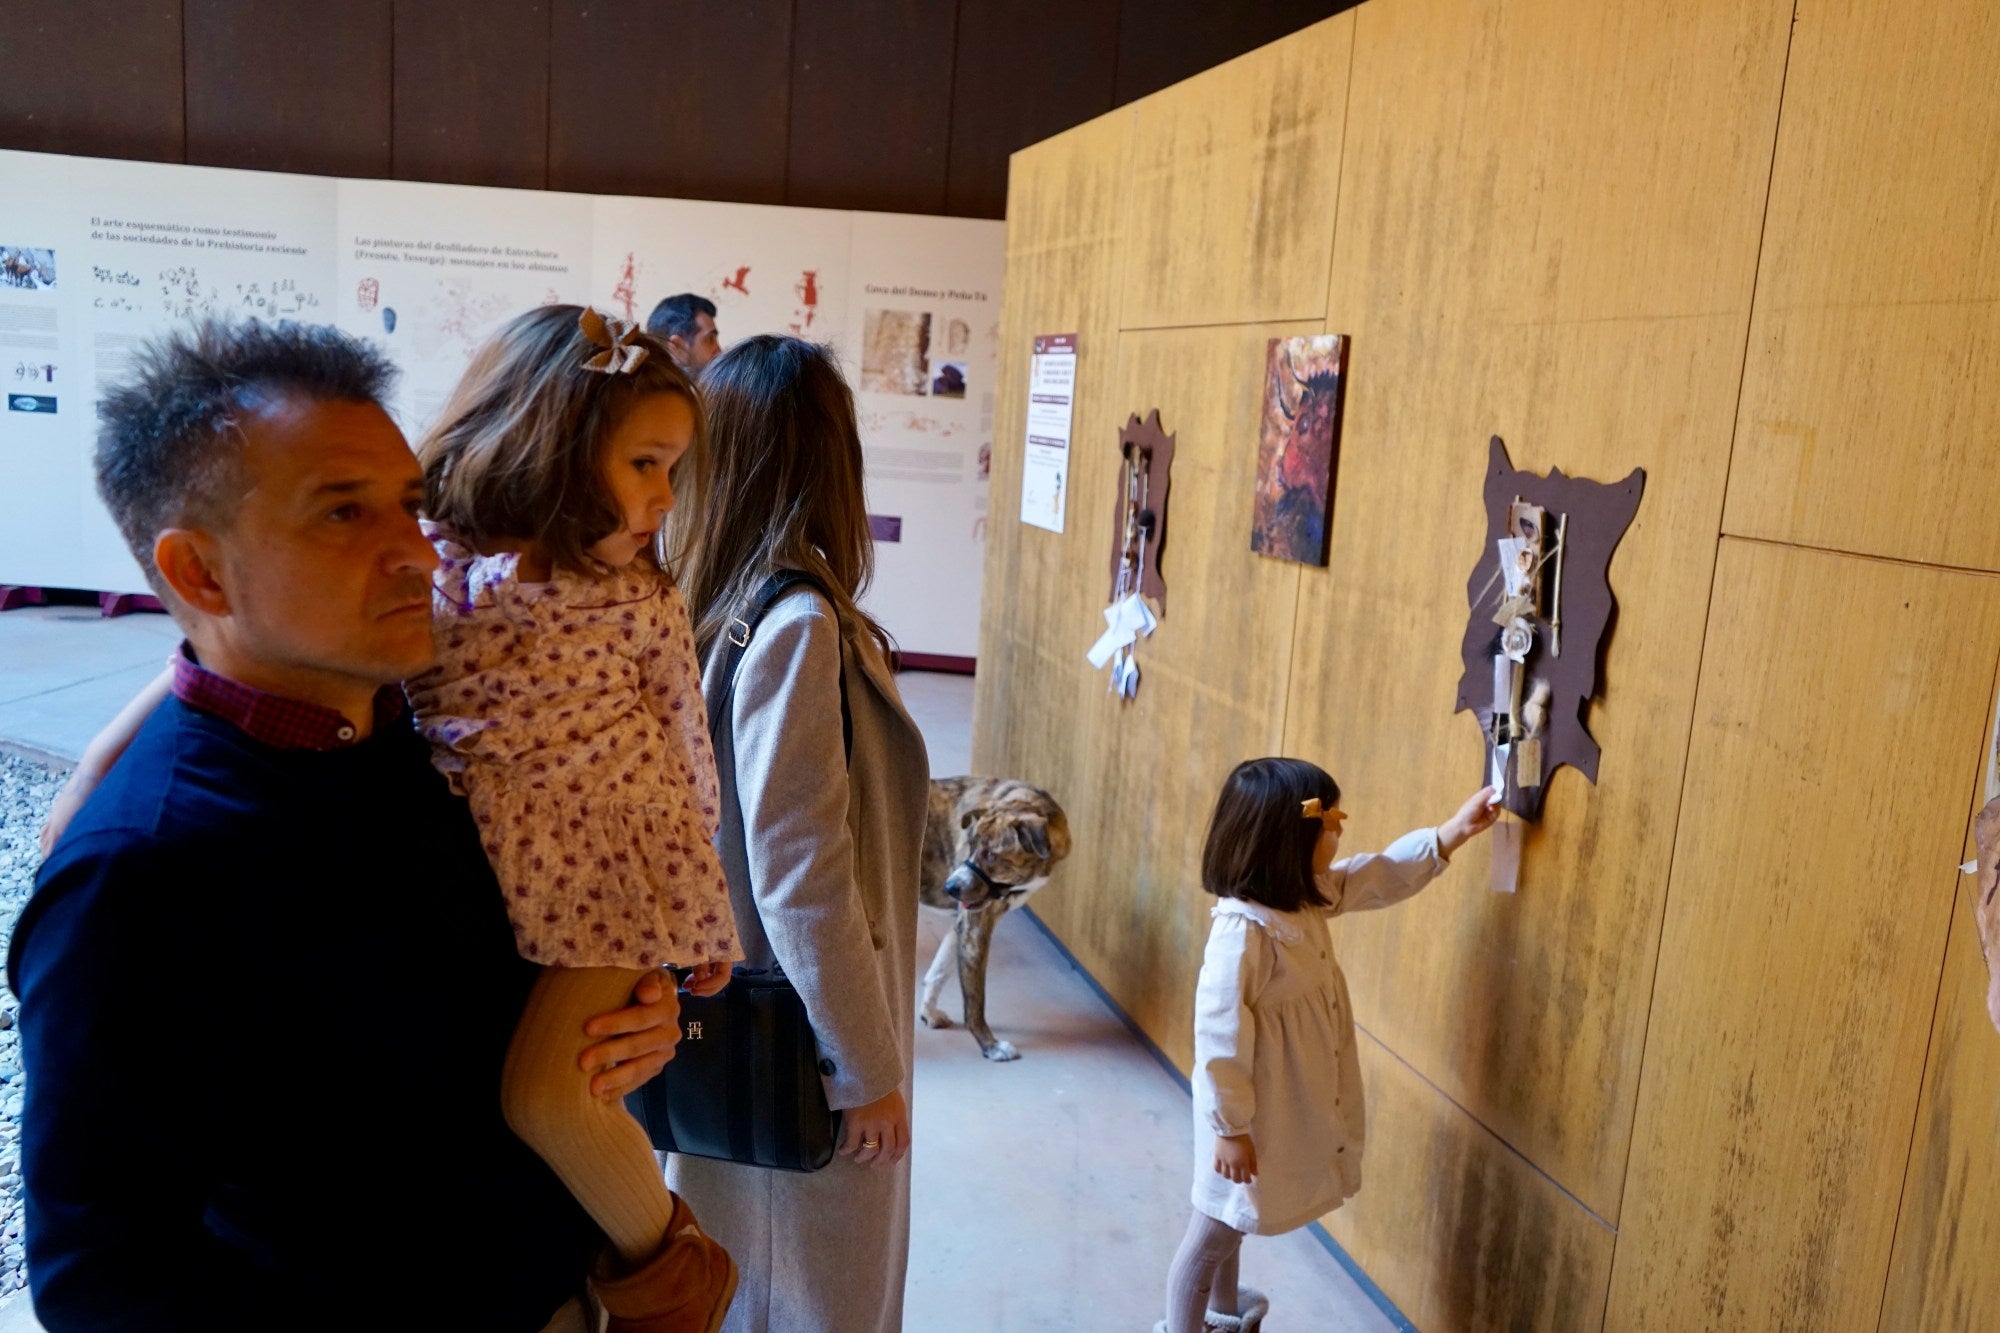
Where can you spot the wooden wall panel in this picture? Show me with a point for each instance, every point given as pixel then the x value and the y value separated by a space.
pixel 289 85
pixel 1065 249
pixel 1161 42
pixel 871 105
pixel 1497 1246
pixel 471 105
pixel 1868 413
pixel 1943 1273
pixel 1233 185
pixel 1840 725
pixel 688 101
pixel 1574 276
pixel 1014 82
pixel 1211 695
pixel 96 77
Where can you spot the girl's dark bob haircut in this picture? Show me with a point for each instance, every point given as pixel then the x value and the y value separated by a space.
pixel 1260 845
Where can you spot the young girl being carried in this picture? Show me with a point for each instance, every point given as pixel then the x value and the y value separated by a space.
pixel 1277 1084
pixel 566 704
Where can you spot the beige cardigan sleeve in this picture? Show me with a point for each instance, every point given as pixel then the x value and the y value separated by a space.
pixel 793 791
pixel 1234 968
pixel 1384 878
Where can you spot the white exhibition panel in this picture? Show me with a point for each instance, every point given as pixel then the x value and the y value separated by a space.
pixel 929 452
pixel 427 271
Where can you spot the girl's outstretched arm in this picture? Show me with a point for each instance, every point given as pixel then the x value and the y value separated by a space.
pixel 1381 879
pixel 101 754
pixel 1472 819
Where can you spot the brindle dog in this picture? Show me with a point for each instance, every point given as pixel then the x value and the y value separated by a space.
pixel 988 844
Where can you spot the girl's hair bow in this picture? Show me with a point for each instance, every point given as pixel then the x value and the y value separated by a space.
pixel 620 355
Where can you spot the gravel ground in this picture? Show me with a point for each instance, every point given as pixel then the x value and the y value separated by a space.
pixel 26 788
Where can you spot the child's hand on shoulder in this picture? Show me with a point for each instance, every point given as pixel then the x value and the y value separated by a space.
pixel 1473 818
pixel 705 979
pixel 1236 1159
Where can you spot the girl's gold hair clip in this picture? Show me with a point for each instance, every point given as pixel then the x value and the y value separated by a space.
pixel 614 335
pixel 1311 809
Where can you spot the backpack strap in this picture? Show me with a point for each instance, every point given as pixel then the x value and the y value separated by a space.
pixel 736 641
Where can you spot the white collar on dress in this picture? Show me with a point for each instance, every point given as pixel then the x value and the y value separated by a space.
pixel 1281 925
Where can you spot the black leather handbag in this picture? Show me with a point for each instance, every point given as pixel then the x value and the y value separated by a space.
pixel 744 1083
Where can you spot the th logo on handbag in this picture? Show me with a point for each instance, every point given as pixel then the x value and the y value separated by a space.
pixel 694 1032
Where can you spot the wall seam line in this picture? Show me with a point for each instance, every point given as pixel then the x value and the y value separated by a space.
pixel 391 145
pixel 951 110
pixel 1701 658
pixel 1903 560
pixel 549 97
pixel 1930 1033
pixel 1325 319
pixel 792 106
pixel 184 81
pixel 1497 1136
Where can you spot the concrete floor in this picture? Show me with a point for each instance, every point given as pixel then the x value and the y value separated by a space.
pixel 1050 1192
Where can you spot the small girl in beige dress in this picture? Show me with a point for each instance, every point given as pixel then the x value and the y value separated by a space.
pixel 1277 1085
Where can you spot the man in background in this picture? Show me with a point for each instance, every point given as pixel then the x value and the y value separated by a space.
pixel 687 322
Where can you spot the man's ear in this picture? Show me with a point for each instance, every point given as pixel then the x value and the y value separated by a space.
pixel 186 560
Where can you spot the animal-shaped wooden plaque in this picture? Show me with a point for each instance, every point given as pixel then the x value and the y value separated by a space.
pixel 1139 531
pixel 1540 607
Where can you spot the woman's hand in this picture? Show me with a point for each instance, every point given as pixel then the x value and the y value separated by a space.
pixel 1473 818
pixel 642 1039
pixel 877 1134
pixel 1236 1158
pixel 705 979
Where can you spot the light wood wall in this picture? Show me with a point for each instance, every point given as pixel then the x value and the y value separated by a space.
pixel 1723 1062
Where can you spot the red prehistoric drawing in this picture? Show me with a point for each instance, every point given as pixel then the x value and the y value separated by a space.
pixel 628 287
pixel 368 293
pixel 738 283
pixel 808 289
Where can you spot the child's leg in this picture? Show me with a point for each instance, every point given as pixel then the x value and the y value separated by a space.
pixel 1222 1295
pixel 596 1147
pixel 1190 1281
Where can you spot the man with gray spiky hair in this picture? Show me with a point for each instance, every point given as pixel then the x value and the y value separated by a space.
pixel 267 980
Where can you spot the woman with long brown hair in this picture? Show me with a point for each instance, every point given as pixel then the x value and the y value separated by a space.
pixel 824 789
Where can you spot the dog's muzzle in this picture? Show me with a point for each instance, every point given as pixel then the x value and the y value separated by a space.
pixel 970 887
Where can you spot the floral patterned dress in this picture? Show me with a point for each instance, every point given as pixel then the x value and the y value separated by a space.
pixel 570 715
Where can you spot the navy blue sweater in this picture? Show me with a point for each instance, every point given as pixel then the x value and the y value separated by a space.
pixel 265 997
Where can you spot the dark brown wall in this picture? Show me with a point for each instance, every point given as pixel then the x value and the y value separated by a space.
pixel 901 105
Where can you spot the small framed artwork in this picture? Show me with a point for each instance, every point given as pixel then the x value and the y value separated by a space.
pixel 1298 439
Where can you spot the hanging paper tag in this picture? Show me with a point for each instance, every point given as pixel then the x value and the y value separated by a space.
pixel 1506 840
pixel 1108 643
pixel 1125 675
pixel 1528 762
pixel 1125 620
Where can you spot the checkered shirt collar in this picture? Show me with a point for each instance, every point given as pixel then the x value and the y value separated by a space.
pixel 283 724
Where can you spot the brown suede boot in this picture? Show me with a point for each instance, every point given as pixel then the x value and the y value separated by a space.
pixel 685 1288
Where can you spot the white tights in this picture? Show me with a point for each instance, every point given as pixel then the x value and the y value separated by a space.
pixel 1203 1277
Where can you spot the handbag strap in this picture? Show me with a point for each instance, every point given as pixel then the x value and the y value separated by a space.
pixel 736 641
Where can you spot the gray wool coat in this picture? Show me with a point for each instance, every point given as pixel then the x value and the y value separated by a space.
pixel 822 856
